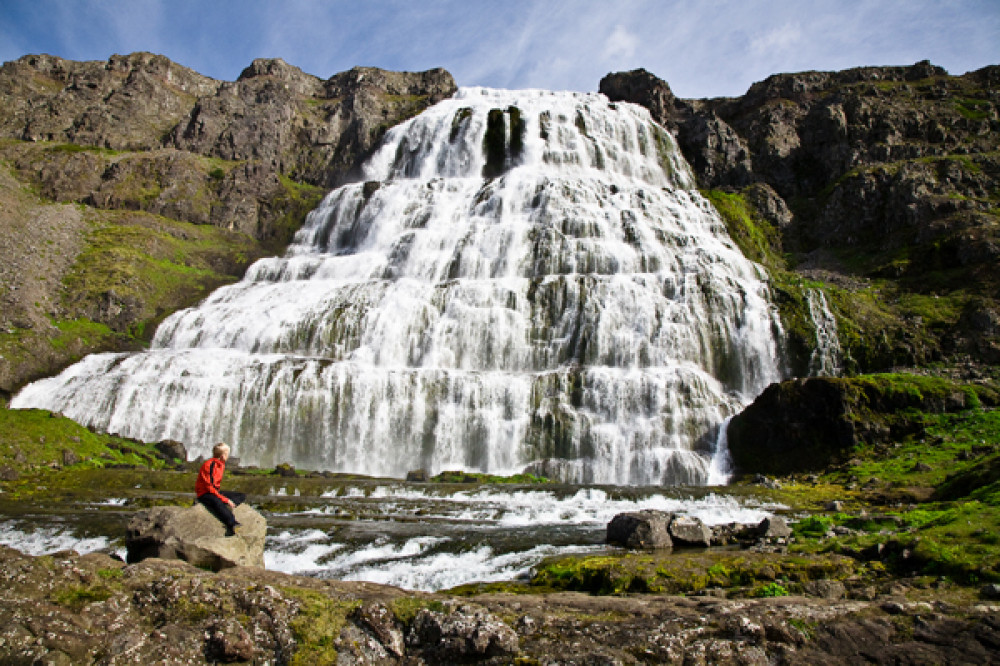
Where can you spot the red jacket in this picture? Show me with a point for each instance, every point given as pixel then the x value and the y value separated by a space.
pixel 210 478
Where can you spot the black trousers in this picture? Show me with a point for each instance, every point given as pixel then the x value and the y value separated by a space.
pixel 220 509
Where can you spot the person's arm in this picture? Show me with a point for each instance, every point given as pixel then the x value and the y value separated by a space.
pixel 215 471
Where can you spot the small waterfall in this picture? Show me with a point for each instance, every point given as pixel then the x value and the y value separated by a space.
pixel 826 358
pixel 524 278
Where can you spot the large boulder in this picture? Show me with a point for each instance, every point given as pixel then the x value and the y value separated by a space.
pixel 196 536
pixel 641 529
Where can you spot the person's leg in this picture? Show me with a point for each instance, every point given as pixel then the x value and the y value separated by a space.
pixel 220 510
pixel 234 497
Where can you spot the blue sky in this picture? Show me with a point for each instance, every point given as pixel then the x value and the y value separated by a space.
pixel 702 48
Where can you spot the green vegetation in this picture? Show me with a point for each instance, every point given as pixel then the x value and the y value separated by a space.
pixel 317 626
pixel 477 477
pixel 78 596
pixel 34 440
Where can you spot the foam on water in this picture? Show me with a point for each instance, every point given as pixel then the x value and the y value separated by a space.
pixel 48 539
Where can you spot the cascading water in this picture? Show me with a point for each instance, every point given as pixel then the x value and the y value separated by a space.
pixel 826 357
pixel 525 278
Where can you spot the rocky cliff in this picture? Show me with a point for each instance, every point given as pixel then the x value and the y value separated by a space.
pixel 132 187
pixel 878 185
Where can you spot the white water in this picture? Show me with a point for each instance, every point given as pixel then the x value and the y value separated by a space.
pixel 415 538
pixel 583 312
pixel 826 357
pixel 483 535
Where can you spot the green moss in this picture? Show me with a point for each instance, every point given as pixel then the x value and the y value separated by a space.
pixel 478 477
pixel 405 609
pixel 973 109
pixel 771 589
pixel 317 626
pixel 77 597
pixel 34 438
pixel 757 239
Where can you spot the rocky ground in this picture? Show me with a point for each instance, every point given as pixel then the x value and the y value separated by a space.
pixel 71 609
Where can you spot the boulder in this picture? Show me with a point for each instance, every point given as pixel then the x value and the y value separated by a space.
pixel 774 527
pixel 690 531
pixel 196 536
pixel 172 450
pixel 641 529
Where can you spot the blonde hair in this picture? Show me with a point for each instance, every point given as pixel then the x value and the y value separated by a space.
pixel 219 449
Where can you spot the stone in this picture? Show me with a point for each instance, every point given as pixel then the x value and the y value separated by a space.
pixel 774 527
pixel 194 535
pixel 417 476
pixel 641 529
pixel 834 505
pixel 461 635
pixel 8 473
pixel 825 589
pixel 172 450
pixel 69 457
pixel 690 531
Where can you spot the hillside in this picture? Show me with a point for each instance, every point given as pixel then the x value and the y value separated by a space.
pixel 131 188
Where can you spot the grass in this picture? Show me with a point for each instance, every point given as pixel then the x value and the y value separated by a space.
pixel 31 439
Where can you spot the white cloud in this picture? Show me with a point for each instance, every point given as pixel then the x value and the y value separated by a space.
pixel 780 39
pixel 620 44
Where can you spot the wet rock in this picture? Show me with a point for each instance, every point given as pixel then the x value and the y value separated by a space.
pixel 417 476
pixel 690 531
pixel 194 535
pixel 640 529
pixel 285 470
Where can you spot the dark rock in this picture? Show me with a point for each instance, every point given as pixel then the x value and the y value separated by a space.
pixel 8 473
pixel 196 536
pixel 991 591
pixel 417 476
pixel 69 457
pixel 641 529
pixel 285 470
pixel 172 450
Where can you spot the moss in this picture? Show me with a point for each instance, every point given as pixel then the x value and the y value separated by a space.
pixel 405 609
pixel 77 597
pixel 317 626
pixel 478 477
pixel 34 438
pixel 689 572
pixel 973 109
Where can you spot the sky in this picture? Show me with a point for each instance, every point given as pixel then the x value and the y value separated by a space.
pixel 702 48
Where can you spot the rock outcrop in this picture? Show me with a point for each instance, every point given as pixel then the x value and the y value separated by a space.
pixel 194 535
pixel 657 529
pixel 92 609
pixel 808 424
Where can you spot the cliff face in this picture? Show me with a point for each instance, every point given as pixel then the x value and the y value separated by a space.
pixel 880 182
pixel 132 187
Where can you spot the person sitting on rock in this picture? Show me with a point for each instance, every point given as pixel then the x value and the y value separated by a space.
pixel 207 488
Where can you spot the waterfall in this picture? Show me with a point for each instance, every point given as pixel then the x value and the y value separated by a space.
pixel 826 357
pixel 523 279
